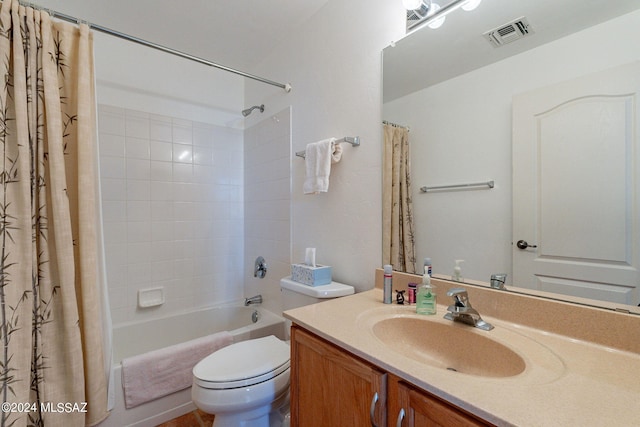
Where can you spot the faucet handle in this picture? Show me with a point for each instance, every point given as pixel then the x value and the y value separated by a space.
pixel 460 296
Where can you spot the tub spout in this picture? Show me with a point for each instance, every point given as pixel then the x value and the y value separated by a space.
pixel 253 300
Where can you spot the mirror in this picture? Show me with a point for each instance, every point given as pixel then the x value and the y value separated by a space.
pixel 455 90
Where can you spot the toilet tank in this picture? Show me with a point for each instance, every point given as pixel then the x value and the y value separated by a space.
pixel 296 294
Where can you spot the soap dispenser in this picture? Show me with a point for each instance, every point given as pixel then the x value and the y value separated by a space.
pixel 426 298
pixel 457 271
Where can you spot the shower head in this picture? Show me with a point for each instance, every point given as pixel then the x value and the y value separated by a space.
pixel 249 110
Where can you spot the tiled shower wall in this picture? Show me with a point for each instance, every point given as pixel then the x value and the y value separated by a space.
pixel 268 204
pixel 172 195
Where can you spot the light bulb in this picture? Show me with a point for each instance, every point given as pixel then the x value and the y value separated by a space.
pixel 470 5
pixel 438 22
pixel 412 4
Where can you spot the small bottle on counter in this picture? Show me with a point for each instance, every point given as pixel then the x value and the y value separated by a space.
pixel 387 284
pixel 428 267
pixel 426 298
pixel 413 288
pixel 457 272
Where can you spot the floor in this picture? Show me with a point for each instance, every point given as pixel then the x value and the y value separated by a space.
pixel 196 418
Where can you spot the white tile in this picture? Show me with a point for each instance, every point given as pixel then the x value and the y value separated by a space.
pixel 183 172
pixel 183 268
pixel 202 136
pixel 162 210
pixel 184 211
pixel 114 210
pixel 112 167
pixel 160 150
pixel 162 231
pixel 182 134
pixel 161 251
pixel 111 122
pixel 138 210
pixel 185 230
pixel 115 232
pixel 161 171
pixel 136 148
pixel 161 271
pixel 182 153
pixel 116 255
pixel 138 190
pixel 160 130
pixel 138 231
pixel 113 189
pixel 162 190
pixel 138 273
pixel 138 168
pixel 136 127
pixel 138 252
pixel 183 249
pixel 202 155
pixel 184 192
pixel 111 145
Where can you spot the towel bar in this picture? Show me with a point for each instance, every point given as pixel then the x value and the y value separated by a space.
pixel 353 140
pixel 489 184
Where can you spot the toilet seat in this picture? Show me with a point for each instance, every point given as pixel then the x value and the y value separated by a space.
pixel 243 364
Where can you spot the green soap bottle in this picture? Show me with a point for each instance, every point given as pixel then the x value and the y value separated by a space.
pixel 426 298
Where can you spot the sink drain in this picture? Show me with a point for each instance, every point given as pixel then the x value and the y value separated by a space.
pixel 452 369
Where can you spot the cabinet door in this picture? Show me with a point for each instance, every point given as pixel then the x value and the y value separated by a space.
pixel 421 409
pixel 330 387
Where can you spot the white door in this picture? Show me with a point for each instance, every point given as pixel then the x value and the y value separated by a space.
pixel 576 187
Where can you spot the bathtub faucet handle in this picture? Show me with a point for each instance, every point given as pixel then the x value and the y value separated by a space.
pixel 260 268
pixel 253 300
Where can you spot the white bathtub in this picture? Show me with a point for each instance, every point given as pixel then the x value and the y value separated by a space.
pixel 141 337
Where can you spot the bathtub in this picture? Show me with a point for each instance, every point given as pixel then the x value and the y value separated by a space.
pixel 141 337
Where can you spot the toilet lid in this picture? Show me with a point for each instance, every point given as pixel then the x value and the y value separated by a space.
pixel 243 363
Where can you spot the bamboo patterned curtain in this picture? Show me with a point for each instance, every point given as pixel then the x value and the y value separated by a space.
pixel 398 245
pixel 51 330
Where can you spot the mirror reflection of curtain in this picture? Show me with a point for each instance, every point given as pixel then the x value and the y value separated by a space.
pixel 50 269
pixel 397 213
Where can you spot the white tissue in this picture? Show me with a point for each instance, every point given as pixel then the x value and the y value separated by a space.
pixel 310 257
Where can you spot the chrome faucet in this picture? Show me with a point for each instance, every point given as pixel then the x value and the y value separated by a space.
pixel 461 310
pixel 497 280
pixel 253 300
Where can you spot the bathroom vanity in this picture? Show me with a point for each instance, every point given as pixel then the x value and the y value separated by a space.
pixel 356 361
pixel 331 386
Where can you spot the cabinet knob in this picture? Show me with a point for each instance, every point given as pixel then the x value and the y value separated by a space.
pixel 372 410
pixel 400 418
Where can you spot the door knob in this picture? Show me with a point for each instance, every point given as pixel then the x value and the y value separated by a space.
pixel 522 244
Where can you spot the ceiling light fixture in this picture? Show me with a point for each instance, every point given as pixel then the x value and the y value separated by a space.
pixel 432 14
pixel 420 8
pixel 434 24
pixel 469 5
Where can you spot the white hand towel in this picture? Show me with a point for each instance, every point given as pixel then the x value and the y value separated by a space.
pixel 318 157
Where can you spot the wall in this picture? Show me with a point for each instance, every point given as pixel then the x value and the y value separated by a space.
pixel 171 147
pixel 172 199
pixel 461 132
pixel 267 201
pixel 333 63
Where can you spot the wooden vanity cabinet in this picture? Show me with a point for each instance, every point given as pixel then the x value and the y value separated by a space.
pixel 331 387
pixel 416 407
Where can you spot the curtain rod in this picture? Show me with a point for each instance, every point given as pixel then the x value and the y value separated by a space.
pixel 62 16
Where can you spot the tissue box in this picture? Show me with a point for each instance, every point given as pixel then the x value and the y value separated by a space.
pixel 311 276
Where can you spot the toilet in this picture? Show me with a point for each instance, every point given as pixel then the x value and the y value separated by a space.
pixel 246 384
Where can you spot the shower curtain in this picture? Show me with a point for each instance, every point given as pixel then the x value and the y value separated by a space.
pixel 51 361
pixel 398 246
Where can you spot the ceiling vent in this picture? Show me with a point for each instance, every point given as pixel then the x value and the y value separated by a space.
pixel 509 32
